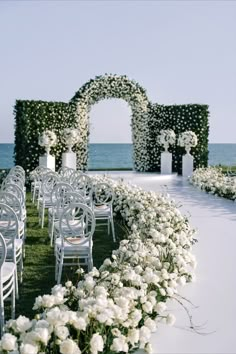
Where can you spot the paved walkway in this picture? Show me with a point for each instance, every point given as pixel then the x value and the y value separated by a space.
pixel 214 292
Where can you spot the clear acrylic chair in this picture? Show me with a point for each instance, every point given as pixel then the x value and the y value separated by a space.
pixel 102 205
pixel 44 201
pixel 36 176
pixel 7 283
pixel 9 228
pixel 83 184
pixel 58 202
pixel 73 246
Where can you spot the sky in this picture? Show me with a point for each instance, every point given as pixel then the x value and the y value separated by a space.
pixel 179 51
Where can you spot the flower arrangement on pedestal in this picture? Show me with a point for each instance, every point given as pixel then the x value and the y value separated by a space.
pixel 71 137
pixel 167 137
pixel 188 140
pixel 47 140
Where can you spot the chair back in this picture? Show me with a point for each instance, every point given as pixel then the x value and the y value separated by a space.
pixel 14 179
pixel 77 224
pixel 65 173
pixel 83 184
pixel 11 200
pixel 74 175
pixel 49 180
pixel 102 194
pixel 58 195
pixel 16 190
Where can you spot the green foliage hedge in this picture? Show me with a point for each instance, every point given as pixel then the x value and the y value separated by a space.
pixel 179 118
pixel 33 117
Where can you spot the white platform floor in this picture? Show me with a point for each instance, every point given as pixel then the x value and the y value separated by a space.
pixel 214 292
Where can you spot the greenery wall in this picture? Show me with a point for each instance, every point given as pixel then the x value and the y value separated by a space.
pixel 179 118
pixel 33 117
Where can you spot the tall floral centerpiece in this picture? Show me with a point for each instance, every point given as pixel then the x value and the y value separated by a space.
pixel 47 140
pixel 166 138
pixel 187 139
pixel 71 137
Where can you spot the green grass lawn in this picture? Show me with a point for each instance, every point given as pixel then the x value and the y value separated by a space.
pixel 39 263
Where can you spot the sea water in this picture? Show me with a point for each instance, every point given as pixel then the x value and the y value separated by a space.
pixel 115 156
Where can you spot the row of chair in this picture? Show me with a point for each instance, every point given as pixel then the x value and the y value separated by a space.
pixel 12 236
pixel 74 204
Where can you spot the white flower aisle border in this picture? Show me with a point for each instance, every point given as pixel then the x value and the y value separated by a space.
pixel 115 308
pixel 213 181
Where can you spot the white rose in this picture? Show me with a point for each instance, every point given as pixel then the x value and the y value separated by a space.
pixel 170 319
pixel 133 336
pixel 62 332
pixel 160 307
pixel 68 346
pixel 23 324
pixel 28 349
pixel 9 342
pixel 119 344
pixel 96 343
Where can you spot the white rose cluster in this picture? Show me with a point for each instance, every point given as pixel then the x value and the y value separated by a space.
pixel 187 139
pixel 47 139
pixel 115 308
pixel 167 137
pixel 71 137
pixel 213 181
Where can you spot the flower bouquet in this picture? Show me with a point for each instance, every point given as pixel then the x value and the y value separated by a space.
pixel 167 137
pixel 47 140
pixel 70 137
pixel 188 140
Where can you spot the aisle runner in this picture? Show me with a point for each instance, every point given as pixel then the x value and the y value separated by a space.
pixel 214 291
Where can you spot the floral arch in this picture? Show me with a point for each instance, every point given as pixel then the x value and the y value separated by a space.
pixel 113 86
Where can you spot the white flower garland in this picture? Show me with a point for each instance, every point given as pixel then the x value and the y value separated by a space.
pixel 114 86
pixel 115 308
pixel 213 181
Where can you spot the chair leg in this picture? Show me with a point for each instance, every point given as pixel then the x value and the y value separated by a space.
pixel 13 300
pixel 108 226
pixel 113 229
pixel 60 271
pixel 16 284
pixel 21 269
pixel 2 315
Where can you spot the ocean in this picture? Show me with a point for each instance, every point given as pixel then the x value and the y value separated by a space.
pixel 110 156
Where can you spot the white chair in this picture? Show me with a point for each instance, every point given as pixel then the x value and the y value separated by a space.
pixel 74 244
pixel 9 228
pixel 102 205
pixel 36 176
pixel 7 283
pixel 44 201
pixel 82 183
pixel 11 200
pixel 58 202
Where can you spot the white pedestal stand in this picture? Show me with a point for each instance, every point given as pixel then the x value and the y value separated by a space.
pixel 166 163
pixel 187 165
pixel 69 160
pixel 47 161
